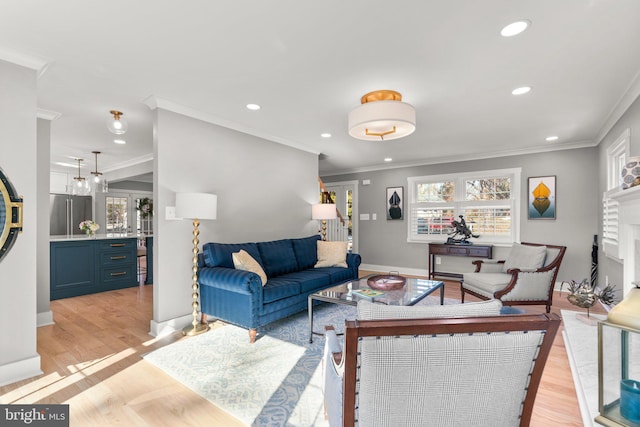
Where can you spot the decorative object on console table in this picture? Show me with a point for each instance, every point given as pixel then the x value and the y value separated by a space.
pixel 542 197
pixel 10 215
pixel 324 212
pixel 395 203
pixel 196 206
pixel 460 228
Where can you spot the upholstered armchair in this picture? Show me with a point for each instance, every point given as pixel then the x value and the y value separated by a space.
pixel 440 371
pixel 526 277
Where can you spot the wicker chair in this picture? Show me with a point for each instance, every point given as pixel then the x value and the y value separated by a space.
pixel 526 277
pixel 451 371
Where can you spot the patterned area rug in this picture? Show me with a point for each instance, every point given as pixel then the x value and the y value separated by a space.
pixel 275 382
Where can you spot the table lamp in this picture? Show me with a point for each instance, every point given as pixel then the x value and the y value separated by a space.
pixel 196 206
pixel 324 211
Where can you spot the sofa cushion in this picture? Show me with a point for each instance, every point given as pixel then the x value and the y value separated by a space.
pixel 310 280
pixel 525 257
pixel 336 275
pixel 370 311
pixel 278 257
pixel 243 261
pixel 306 250
pixel 279 288
pixel 332 254
pixel 220 254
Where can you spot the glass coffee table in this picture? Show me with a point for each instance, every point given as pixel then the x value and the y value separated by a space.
pixel 413 291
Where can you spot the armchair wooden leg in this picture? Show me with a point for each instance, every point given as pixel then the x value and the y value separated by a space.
pixel 203 318
pixel 252 335
pixel 548 309
pixel 462 292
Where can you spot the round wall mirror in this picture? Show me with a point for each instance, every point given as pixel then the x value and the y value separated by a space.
pixel 10 215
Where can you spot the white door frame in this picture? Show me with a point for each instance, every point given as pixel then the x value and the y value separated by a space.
pixel 354 207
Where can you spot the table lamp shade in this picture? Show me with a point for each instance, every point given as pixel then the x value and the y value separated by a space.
pixel 323 211
pixel 196 205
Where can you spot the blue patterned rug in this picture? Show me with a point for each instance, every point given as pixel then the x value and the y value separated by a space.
pixel 275 382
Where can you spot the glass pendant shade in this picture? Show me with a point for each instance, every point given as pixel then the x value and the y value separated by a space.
pixel 117 124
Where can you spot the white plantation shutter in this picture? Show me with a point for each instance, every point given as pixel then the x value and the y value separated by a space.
pixel 610 226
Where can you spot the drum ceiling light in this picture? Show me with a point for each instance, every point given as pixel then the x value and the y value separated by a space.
pixel 382 117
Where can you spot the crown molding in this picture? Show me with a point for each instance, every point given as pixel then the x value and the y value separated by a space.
pixel 39 64
pixel 47 114
pixel 621 107
pixel 465 158
pixel 154 102
pixel 128 163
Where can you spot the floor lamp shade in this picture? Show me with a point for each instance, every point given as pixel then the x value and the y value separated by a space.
pixel 323 211
pixel 196 205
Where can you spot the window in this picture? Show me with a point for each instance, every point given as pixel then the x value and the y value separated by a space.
pixel 486 199
pixel 617 156
pixel 117 214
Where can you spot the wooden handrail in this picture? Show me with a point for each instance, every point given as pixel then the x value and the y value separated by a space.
pixel 327 196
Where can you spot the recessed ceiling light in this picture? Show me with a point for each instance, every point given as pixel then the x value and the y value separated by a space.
pixel 388 159
pixel 515 28
pixel 120 141
pixel 253 107
pixel 521 90
pixel 551 138
pixel 325 135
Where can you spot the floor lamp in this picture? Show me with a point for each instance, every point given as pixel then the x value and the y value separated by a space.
pixel 196 206
pixel 324 211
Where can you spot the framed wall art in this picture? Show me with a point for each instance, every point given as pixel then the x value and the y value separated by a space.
pixel 542 197
pixel 395 203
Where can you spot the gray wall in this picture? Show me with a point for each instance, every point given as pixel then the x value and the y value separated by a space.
pixel 609 268
pixel 385 243
pixel 131 186
pixel 265 191
pixel 18 353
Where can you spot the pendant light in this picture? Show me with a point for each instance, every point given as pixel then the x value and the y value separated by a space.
pixel 81 186
pixel 97 176
pixel 117 124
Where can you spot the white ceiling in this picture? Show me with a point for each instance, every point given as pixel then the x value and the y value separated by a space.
pixel 307 63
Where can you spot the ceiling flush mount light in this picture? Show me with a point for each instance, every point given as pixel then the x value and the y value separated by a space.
pixel 382 117
pixel 521 90
pixel 515 28
pixel 117 124
pixel 253 107
pixel 551 138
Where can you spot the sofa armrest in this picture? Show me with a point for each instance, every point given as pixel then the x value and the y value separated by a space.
pixel 230 279
pixel 353 262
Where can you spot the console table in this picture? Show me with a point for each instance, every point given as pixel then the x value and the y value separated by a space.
pixel 442 249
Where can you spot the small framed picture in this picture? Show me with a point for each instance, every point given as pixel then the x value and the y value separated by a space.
pixel 395 203
pixel 542 197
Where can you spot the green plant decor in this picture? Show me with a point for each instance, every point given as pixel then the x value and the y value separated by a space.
pixel 145 206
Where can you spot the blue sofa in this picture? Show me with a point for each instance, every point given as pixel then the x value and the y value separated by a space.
pixel 238 297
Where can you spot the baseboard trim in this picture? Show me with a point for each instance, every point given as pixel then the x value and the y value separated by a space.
pixel 45 318
pixel 167 327
pixel 20 370
pixel 401 270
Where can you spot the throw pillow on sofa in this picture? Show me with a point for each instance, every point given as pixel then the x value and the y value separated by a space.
pixel 331 254
pixel 243 261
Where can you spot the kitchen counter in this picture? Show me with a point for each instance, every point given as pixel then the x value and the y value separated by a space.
pixel 82 265
pixel 98 236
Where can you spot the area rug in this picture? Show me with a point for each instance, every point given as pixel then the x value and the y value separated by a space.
pixel 274 382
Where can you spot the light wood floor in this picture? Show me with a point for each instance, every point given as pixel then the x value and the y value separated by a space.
pixel 91 359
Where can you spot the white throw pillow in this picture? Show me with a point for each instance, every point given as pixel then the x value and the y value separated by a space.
pixel 243 261
pixel 332 254
pixel 525 257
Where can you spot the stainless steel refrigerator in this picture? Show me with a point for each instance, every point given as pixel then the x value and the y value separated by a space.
pixel 66 212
